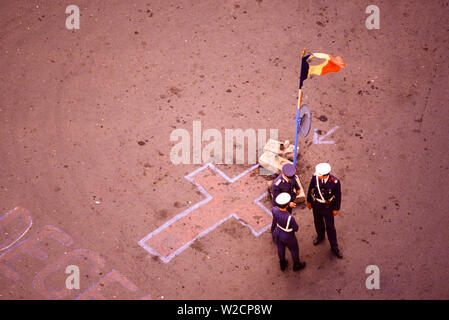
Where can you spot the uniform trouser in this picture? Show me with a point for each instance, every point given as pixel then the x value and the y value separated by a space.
pixel 288 241
pixel 323 219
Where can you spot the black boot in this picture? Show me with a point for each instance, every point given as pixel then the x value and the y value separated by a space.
pixel 337 253
pixel 299 265
pixel 317 240
pixel 283 264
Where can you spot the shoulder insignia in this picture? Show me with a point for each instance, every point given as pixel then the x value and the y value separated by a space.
pixel 279 181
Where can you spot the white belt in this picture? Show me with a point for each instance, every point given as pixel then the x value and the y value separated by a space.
pixel 324 201
pixel 286 229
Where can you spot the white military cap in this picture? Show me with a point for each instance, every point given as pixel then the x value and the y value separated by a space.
pixel 322 169
pixel 283 198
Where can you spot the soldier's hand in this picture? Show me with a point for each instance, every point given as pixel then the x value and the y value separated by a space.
pixel 309 205
pixel 292 205
pixel 298 192
pixel 335 212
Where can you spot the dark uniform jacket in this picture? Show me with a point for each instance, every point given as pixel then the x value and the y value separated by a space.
pixel 280 218
pixel 330 190
pixel 281 185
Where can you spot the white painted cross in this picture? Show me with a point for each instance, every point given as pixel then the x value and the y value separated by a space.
pixel 225 198
pixel 320 140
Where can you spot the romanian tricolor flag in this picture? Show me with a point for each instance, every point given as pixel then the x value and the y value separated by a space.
pixel 330 64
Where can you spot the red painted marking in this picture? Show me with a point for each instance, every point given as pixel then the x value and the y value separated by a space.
pixel 13 226
pixel 39 279
pixel 29 247
pixel 95 292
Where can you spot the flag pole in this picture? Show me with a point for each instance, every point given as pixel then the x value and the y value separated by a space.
pixel 298 120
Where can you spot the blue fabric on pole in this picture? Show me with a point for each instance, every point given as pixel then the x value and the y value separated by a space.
pixel 298 122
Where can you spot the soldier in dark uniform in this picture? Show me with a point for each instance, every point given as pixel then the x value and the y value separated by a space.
pixel 288 182
pixel 284 227
pixel 324 196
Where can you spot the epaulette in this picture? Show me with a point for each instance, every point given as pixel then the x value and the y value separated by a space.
pixel 279 181
pixel 333 179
